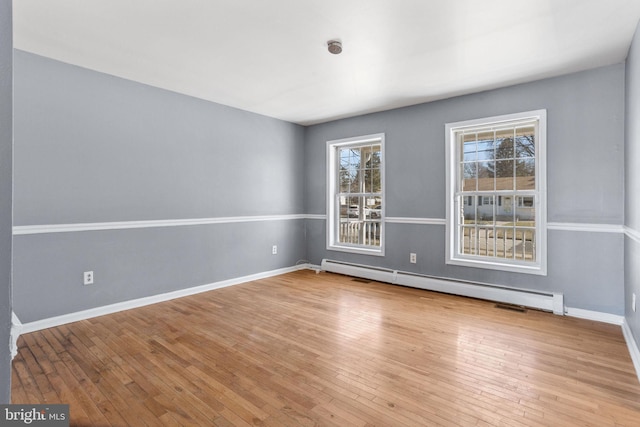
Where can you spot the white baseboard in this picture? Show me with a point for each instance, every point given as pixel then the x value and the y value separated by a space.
pixel 313 267
pixel 597 316
pixel 38 325
pixel 16 328
pixel 633 347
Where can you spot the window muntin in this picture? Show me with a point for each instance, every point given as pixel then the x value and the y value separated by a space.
pixel 356 198
pixel 496 187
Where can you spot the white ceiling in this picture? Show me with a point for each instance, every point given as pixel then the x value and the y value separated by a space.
pixel 270 56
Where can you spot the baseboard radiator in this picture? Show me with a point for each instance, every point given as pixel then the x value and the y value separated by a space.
pixel 548 301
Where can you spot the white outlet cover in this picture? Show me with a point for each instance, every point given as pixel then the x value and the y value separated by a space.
pixel 88 278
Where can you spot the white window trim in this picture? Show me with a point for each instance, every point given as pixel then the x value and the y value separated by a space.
pixel 540 266
pixel 332 213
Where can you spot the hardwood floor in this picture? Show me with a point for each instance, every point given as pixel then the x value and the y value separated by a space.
pixel 306 349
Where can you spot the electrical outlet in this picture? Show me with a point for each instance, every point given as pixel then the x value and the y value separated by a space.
pixel 412 258
pixel 88 278
pixel 633 302
pixel 274 250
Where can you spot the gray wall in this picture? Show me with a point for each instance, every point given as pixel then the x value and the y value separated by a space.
pixel 6 46
pixel 632 185
pixel 94 148
pixel 585 113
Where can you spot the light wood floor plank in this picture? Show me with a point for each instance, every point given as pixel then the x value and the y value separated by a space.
pixel 306 349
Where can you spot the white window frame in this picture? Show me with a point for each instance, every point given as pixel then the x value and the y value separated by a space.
pixel 333 209
pixel 453 177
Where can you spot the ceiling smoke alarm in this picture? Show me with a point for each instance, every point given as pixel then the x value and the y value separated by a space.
pixel 334 46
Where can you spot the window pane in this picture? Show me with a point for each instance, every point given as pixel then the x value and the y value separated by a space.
pixel 485 241
pixel 343 207
pixel 344 159
pixel 354 186
pixel 469 175
pixel 371 177
pixel 526 174
pixel 469 209
pixel 485 146
pixel 365 152
pixel 484 213
pixel 469 147
pixel 376 160
pixel 349 158
pixel 486 174
pixel 504 144
pixel 525 142
pixel 468 240
pixel 375 209
pixel 349 232
pixel 371 233
pixel 524 244
pixel 345 181
pixel 504 242
pixel 505 210
pixel 373 182
pixel 367 179
pixel 526 211
pixel 491 242
pixel 354 207
pixel 360 181
pixel 504 174
pixel 349 226
pixel 354 158
pixel 509 244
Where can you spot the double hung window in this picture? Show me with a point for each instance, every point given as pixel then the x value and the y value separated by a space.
pixel 355 197
pixel 496 213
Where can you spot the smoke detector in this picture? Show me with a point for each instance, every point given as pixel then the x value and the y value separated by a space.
pixel 334 46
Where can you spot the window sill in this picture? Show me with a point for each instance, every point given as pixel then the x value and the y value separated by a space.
pixel 356 250
pixel 492 264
